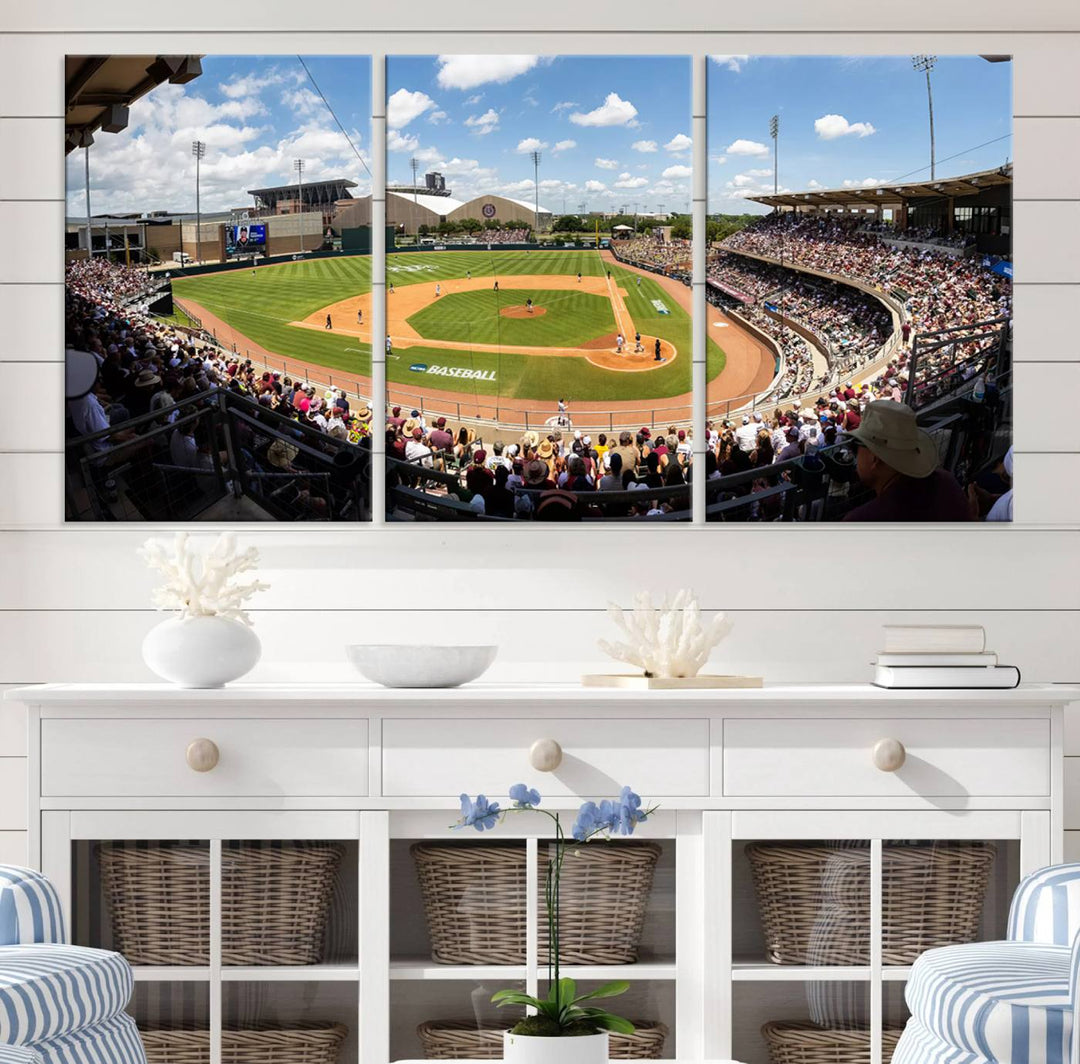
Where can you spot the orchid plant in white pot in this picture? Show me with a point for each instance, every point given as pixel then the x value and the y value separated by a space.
pixel 210 640
pixel 565 1027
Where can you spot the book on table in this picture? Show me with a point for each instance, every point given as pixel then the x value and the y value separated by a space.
pixel 914 677
pixel 934 639
pixel 988 658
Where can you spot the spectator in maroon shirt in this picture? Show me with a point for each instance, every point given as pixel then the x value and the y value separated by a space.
pixel 395 418
pixel 479 480
pixel 899 462
pixel 441 440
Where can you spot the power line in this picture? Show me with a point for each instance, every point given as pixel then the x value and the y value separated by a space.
pixel 964 151
pixel 334 116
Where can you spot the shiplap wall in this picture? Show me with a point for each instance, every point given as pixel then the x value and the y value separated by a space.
pixel 808 601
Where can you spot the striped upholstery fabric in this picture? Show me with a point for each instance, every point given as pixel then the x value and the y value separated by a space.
pixel 19 1055
pixel 48 990
pixel 919 1046
pixel 29 908
pixel 115 1041
pixel 1046 906
pixel 1007 1002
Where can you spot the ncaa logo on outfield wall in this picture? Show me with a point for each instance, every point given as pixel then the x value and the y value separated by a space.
pixel 488 210
pixel 419 367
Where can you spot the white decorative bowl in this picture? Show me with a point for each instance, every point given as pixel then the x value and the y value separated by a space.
pixel 420 666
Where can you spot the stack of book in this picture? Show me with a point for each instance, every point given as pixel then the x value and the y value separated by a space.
pixel 940 656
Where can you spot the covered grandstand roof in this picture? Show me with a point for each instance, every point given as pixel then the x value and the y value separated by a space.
pixel 525 204
pixel 887 194
pixel 315 192
pixel 99 88
pixel 436 204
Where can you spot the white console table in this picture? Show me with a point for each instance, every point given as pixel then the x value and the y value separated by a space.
pixel 379 769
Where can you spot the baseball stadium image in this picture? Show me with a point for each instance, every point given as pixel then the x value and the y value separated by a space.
pixel 886 299
pixel 203 195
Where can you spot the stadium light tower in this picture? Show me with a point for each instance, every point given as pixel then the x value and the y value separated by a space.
pixel 926 62
pixel 86 138
pixel 536 190
pixel 774 132
pixel 298 166
pixel 198 149
pixel 414 165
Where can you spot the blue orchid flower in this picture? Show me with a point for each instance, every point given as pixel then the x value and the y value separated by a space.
pixel 524 797
pixel 480 814
pixel 629 812
pixel 587 821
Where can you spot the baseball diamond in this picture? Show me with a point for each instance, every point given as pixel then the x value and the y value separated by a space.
pixel 475 341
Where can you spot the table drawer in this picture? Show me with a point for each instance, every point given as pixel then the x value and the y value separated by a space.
pixel 658 758
pixel 254 757
pixel 836 757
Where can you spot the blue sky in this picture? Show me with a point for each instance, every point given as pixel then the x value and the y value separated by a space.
pixel 849 121
pixel 611 130
pixel 256 114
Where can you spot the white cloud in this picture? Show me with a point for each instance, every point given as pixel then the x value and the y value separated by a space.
pixel 437 117
pixel 396 141
pixel 742 181
pixel 301 101
pixel 866 182
pixel 679 142
pixel 606 164
pixel 428 155
pixel 564 105
pixel 525 185
pixel 564 145
pixel 731 62
pixel 485 123
pixel 814 184
pixel 719 159
pixel 530 144
pixel 468 71
pixel 829 127
pixel 403 106
pixel 474 99
pixel 614 111
pixel 644 145
pixel 628 181
pixel 677 171
pixel 253 84
pixel 763 172
pixel 747 147
pixel 595 186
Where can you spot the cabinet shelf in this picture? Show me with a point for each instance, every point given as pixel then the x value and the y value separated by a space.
pixel 756 970
pixel 423 968
pixel 286 973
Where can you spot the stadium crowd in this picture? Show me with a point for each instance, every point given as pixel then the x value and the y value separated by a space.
pixel 554 475
pixel 672 258
pixel 147 366
pixel 505 235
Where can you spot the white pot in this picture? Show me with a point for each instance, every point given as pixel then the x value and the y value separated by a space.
pixel 201 651
pixel 580 1049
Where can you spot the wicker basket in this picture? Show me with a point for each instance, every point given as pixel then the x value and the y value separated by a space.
pixel 274 901
pixel 302 1044
pixel 474 902
pixel 450 1040
pixel 807 1043
pixel 814 901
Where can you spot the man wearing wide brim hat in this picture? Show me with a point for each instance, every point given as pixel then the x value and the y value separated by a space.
pixel 899 462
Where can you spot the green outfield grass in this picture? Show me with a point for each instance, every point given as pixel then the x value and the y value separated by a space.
pixel 570 318
pixel 261 303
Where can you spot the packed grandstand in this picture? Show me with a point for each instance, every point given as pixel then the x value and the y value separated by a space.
pixel 845 305
pixel 174 422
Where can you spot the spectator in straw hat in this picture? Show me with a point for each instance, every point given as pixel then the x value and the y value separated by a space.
pixel 899 462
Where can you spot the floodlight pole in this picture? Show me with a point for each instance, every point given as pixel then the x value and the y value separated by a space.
pixel 298 166
pixel 926 63
pixel 536 191
pixel 198 149
pixel 774 132
pixel 89 225
pixel 414 163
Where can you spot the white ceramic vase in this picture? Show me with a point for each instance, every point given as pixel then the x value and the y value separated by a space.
pixel 201 651
pixel 530 1049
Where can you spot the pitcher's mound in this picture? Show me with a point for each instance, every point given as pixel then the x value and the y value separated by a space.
pixel 521 312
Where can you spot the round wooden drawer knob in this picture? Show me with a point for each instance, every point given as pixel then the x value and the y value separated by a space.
pixel 202 755
pixel 889 754
pixel 545 755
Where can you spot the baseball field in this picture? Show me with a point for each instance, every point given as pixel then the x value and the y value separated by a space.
pixel 548 329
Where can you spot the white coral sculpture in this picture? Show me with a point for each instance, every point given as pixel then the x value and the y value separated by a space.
pixel 667 640
pixel 198 585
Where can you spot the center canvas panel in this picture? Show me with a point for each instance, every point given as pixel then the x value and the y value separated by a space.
pixel 538 351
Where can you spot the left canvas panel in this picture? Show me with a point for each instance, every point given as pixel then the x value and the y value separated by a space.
pixel 210 266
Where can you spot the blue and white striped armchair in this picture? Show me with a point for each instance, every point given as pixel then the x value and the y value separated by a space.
pixel 59 1004
pixel 1008 1002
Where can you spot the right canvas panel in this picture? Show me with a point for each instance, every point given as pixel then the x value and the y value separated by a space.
pixel 860 285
